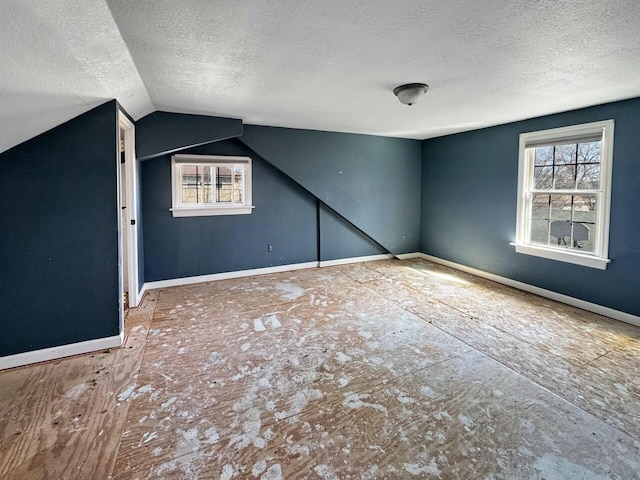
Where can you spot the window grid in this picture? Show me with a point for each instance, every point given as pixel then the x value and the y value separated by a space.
pixel 580 200
pixel 557 162
pixel 207 185
pixel 229 185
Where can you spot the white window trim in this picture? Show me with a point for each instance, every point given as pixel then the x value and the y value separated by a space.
pixel 178 209
pixel 599 259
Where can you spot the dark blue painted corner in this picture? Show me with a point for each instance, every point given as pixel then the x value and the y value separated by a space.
pixel 339 239
pixel 59 247
pixel 468 212
pixel 373 182
pixel 160 133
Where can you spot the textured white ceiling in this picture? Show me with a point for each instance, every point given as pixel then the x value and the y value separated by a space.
pixel 332 64
pixel 59 59
pixel 324 64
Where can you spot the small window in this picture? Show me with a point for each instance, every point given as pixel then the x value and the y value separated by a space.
pixel 210 185
pixel 564 193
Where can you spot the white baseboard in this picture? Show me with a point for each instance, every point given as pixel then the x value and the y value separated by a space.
pixel 559 297
pixel 176 282
pixel 345 261
pixel 37 356
pixel 406 256
pixel 576 302
pixel 53 353
pixel 141 293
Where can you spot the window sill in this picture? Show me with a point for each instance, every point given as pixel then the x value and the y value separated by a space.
pixel 209 211
pixel 563 256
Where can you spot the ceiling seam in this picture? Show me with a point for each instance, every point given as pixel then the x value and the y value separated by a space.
pixel 133 60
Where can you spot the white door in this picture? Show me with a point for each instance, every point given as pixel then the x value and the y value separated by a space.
pixel 128 242
pixel 124 231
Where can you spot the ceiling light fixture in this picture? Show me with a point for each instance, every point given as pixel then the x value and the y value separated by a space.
pixel 411 92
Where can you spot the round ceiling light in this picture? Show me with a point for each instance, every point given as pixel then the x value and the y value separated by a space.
pixel 411 92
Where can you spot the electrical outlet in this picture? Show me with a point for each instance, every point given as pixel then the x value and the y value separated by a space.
pixel 269 248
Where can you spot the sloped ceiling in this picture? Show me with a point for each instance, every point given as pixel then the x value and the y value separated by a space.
pixel 322 64
pixel 59 59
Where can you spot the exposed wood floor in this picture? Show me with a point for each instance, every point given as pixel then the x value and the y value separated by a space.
pixel 391 369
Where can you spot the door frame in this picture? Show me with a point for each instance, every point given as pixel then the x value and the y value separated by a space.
pixel 129 215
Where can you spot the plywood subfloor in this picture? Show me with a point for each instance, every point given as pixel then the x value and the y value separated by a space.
pixel 64 419
pixel 389 369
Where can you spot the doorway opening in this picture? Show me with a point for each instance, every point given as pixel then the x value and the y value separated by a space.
pixel 127 217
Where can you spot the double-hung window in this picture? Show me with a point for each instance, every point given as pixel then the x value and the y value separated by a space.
pixel 564 193
pixel 210 185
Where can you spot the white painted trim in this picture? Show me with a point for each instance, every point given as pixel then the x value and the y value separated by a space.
pixel 591 307
pixel 344 261
pixel 175 282
pixel 141 293
pixel 563 256
pixel 203 211
pixel 53 353
pixel 599 257
pixel 192 158
pixel 407 256
pixel 576 302
pixel 131 212
pixel 178 209
pixel 121 234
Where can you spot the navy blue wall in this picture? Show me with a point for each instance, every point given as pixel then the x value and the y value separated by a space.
pixel 372 181
pixel 284 217
pixel 59 246
pixel 341 240
pixel 468 216
pixel 160 133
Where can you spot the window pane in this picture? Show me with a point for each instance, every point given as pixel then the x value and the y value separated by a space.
pixel 206 184
pixel 589 176
pixel 565 154
pixel 583 236
pixel 584 209
pixel 190 183
pixel 560 231
pixel 573 221
pixel 223 184
pixel 560 207
pixel 584 222
pixel 564 176
pixel 562 195
pixel 589 152
pixel 543 177
pixel 238 184
pixel 540 231
pixel 543 156
pixel 540 206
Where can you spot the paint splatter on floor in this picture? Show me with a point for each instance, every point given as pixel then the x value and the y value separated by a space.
pixel 390 369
